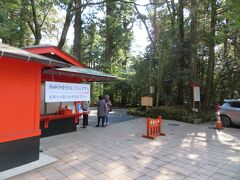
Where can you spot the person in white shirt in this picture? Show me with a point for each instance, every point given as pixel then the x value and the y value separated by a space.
pixel 109 108
pixel 86 110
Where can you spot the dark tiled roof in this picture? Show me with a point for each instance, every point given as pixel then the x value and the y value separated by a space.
pixel 81 72
pixel 9 51
pixel 39 46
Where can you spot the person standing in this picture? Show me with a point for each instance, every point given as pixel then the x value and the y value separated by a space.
pixel 86 110
pixel 109 108
pixel 101 110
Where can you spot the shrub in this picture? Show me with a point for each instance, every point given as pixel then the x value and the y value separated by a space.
pixel 136 112
pixel 167 112
pixel 174 113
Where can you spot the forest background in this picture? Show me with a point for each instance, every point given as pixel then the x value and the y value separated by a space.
pixel 190 41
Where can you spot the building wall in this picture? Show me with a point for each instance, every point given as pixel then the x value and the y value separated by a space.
pixel 19 99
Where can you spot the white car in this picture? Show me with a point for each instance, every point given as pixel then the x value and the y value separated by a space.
pixel 229 112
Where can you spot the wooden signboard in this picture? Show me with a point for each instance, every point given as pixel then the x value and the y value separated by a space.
pixel 147 101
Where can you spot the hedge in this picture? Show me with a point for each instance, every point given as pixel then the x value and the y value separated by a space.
pixel 173 113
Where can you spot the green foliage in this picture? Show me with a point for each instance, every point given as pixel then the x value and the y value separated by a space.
pixel 94 38
pixel 135 112
pixel 139 73
pixel 167 112
pixel 96 89
pixel 13 27
pixel 16 21
pixel 227 57
pixel 120 92
pixel 172 113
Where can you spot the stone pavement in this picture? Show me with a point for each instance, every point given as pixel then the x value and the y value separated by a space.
pixel 119 152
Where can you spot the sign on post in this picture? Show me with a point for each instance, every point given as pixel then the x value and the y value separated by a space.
pixel 147 101
pixel 196 97
pixel 66 92
pixel 196 93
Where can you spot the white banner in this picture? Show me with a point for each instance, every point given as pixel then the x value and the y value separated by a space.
pixel 66 92
pixel 196 93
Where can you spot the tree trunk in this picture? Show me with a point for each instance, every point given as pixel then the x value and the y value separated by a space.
pixel 77 30
pixel 225 46
pixel 109 35
pixel 150 38
pixel 158 52
pixel 69 15
pixel 211 59
pixel 22 33
pixel 37 26
pixel 181 50
pixel 172 12
pixel 226 64
pixel 193 40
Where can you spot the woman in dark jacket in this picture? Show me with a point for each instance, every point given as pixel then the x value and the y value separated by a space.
pixel 101 111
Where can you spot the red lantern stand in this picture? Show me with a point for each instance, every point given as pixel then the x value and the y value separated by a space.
pixel 154 128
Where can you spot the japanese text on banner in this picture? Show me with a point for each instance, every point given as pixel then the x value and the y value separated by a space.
pixel 66 92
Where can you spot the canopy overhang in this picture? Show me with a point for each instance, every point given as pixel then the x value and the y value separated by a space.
pixel 76 74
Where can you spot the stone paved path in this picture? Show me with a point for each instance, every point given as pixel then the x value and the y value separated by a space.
pixel 119 152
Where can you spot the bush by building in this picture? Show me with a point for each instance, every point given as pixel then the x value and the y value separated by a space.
pixel 171 113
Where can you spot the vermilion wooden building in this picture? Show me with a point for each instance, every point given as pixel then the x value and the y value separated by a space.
pixel 21 76
pixel 52 123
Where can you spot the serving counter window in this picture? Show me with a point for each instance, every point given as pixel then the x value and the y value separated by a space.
pixel 61 106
